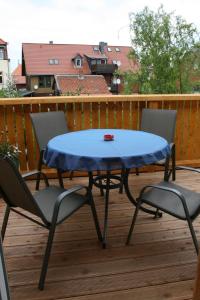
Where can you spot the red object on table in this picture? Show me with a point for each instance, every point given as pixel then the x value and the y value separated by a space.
pixel 108 137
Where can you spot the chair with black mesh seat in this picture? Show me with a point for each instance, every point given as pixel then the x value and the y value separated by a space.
pixel 162 122
pixel 173 199
pixel 47 125
pixel 52 204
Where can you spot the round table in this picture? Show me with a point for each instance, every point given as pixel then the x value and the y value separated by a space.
pixel 87 150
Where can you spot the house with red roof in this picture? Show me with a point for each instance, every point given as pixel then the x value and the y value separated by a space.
pixel 19 80
pixel 4 64
pixel 41 63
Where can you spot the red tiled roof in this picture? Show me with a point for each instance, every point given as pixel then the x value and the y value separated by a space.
pixel 85 84
pixel 17 75
pixel 2 42
pixel 37 57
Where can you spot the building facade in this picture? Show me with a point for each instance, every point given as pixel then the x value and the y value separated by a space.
pixel 4 64
pixel 42 62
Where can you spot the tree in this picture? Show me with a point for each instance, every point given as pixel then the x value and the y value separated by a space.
pixel 166 48
pixel 10 91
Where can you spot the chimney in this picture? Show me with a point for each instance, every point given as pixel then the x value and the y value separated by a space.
pixel 101 46
pixel 51 42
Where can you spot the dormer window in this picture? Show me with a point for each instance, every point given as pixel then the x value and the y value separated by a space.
pixel 117 49
pixel 78 62
pixel 109 49
pixel 53 61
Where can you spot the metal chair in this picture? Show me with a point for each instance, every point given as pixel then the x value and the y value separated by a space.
pixel 51 204
pixel 4 289
pixel 162 122
pixel 173 199
pixel 47 125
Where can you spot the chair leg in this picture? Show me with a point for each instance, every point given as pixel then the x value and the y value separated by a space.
pixel 60 179
pixel 173 156
pixel 71 175
pixel 166 171
pixel 46 257
pixel 5 222
pixel 121 184
pixel 39 169
pixel 133 221
pixel 96 222
pixel 194 238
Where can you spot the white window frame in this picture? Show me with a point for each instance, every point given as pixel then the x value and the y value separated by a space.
pixel 78 62
pixel 1 54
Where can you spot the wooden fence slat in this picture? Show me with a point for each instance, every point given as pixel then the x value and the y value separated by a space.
pixel 20 136
pixel 126 115
pixel 119 114
pixel 103 115
pixel 2 124
pixel 31 155
pixel 78 116
pixel 111 115
pixel 86 115
pixel 10 120
pixel 70 116
pixel 95 115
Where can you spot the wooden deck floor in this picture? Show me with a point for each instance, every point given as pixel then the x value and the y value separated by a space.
pixel 159 264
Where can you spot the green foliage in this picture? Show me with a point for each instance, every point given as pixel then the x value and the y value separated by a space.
pixel 10 91
pixel 166 48
pixel 8 150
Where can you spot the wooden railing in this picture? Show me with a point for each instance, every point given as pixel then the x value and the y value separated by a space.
pixel 84 112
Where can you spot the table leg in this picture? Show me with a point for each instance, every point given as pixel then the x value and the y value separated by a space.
pixel 106 209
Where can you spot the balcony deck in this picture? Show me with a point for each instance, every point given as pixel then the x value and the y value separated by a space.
pixel 159 264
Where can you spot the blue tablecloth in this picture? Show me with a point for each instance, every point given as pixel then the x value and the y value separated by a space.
pixel 86 150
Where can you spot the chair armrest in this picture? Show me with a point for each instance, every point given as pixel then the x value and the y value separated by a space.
pixel 29 174
pixel 71 191
pixel 63 196
pixel 171 190
pixel 187 169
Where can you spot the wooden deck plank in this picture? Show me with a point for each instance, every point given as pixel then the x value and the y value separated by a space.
pixel 160 263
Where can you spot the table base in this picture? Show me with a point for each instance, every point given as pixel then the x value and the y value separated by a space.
pixel 110 181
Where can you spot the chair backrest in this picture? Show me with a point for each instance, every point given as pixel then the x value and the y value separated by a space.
pixel 161 122
pixel 14 189
pixel 48 125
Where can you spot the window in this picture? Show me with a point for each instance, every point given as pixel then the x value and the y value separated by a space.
pixel 109 49
pixel 45 81
pixel 96 48
pixel 1 77
pixel 1 53
pixel 93 62
pixel 53 61
pixel 117 49
pixel 78 62
pixel 114 62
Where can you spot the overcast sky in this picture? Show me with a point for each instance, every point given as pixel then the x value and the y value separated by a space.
pixel 78 21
